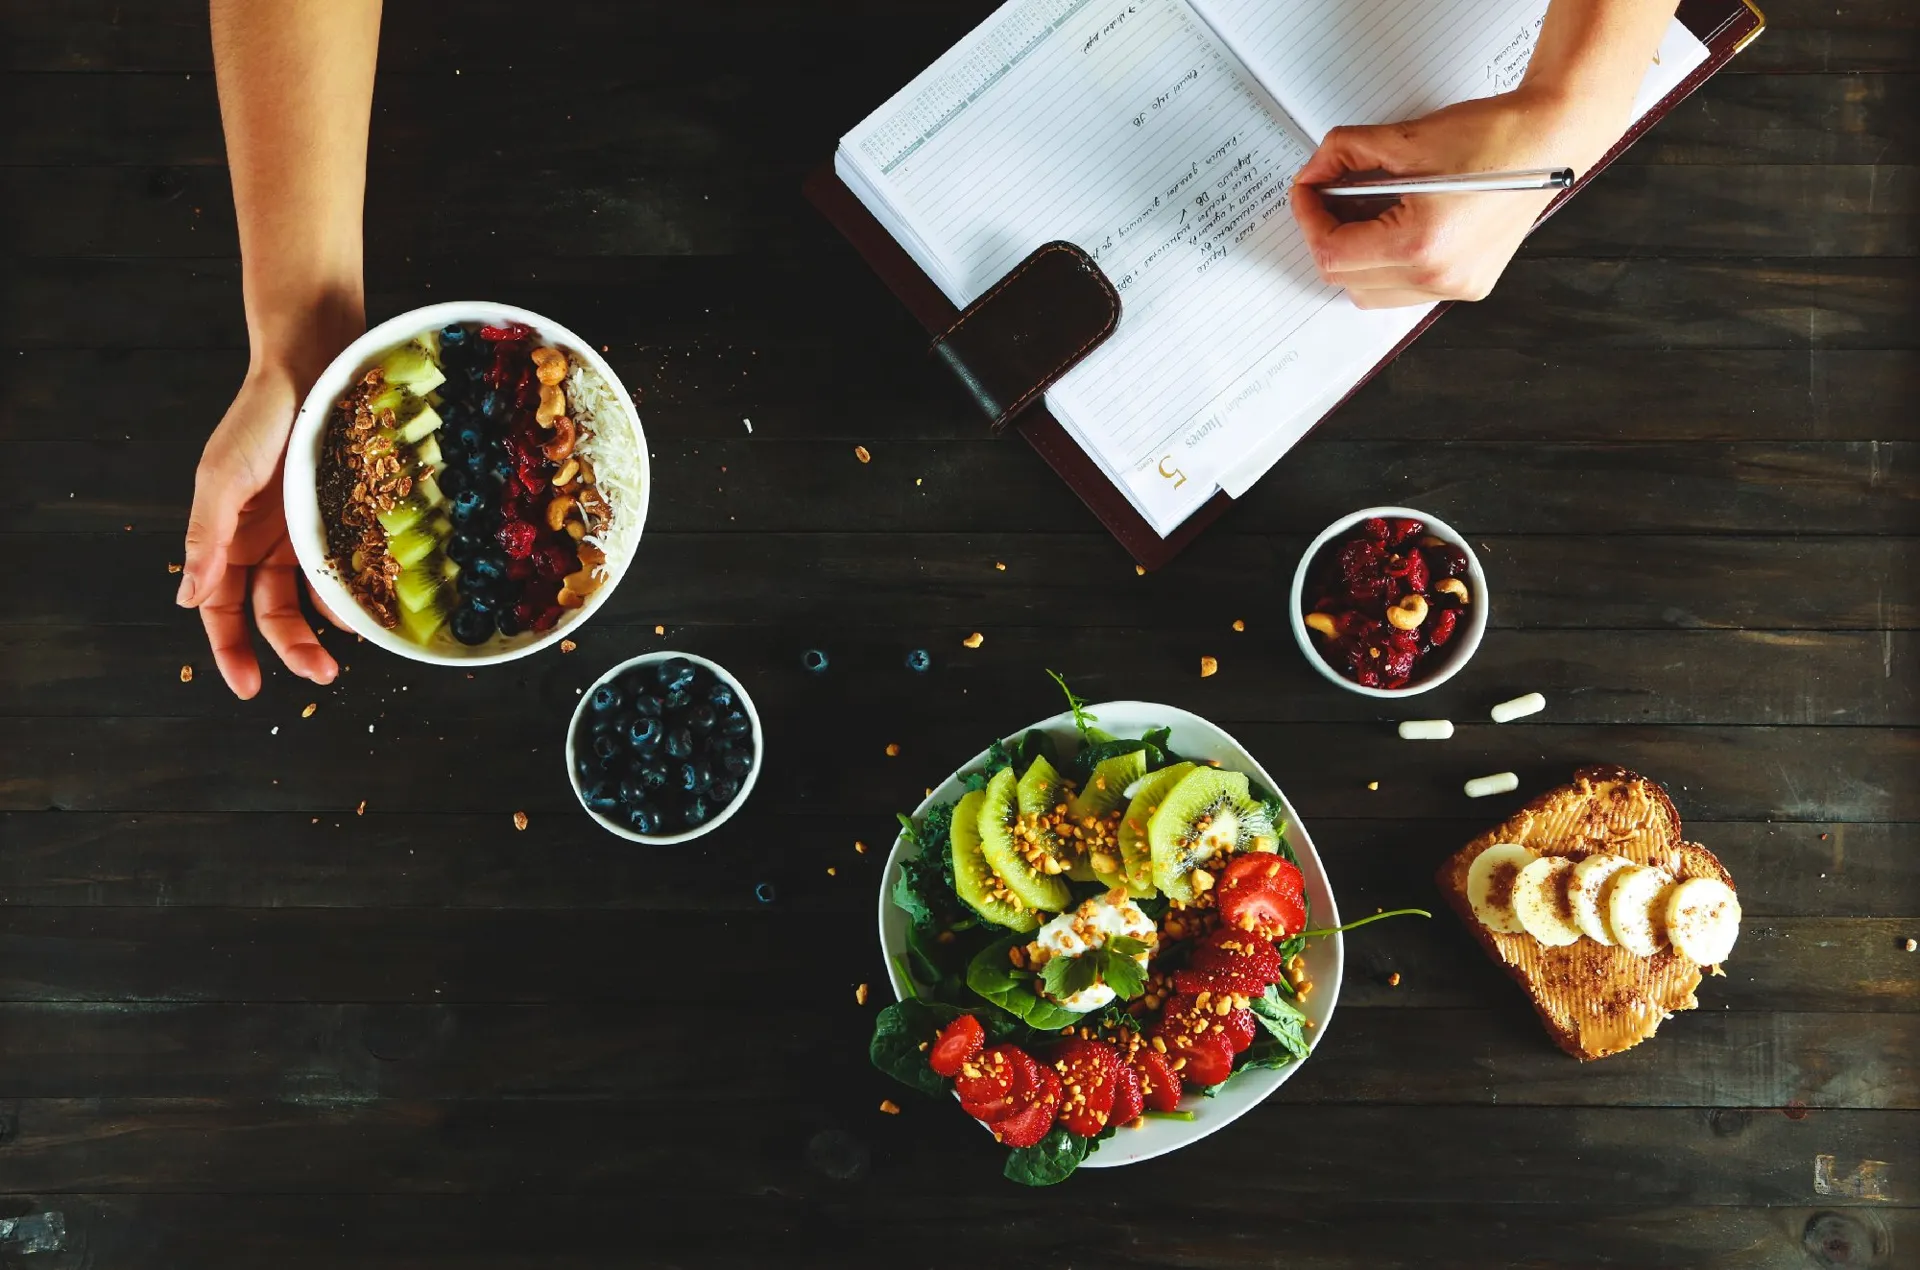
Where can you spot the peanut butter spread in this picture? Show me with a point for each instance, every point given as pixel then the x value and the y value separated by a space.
pixel 1596 1000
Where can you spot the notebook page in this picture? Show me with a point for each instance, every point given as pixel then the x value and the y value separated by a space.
pixel 1126 127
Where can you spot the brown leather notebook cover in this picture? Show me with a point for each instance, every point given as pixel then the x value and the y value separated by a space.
pixel 1724 26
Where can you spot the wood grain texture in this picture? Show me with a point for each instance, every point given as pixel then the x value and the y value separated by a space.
pixel 243 1023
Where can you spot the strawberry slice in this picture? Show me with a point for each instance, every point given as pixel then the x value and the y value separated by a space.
pixel 1236 950
pixel 1263 895
pixel 1239 1027
pixel 1209 1060
pixel 1089 1076
pixel 1217 980
pixel 1030 1123
pixel 958 1042
pixel 997 1083
pixel 1159 1083
pixel 1129 1100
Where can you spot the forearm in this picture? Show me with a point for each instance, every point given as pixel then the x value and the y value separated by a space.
pixel 296 93
pixel 1590 60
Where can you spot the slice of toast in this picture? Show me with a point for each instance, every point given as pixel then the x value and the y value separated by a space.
pixel 1595 1000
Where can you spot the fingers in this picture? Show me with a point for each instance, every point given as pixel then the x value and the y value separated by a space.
pixel 276 611
pixel 223 612
pixel 1391 298
pixel 217 500
pixel 1377 147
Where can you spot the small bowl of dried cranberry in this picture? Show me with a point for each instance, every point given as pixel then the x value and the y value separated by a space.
pixel 1389 602
pixel 663 748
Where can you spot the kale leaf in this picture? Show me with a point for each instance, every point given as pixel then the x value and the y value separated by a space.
pixel 924 888
pixel 1049 1161
pixel 898 1033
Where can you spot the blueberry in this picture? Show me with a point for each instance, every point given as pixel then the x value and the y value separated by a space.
pixel 633 791
pixel 481 602
pixel 918 660
pixel 508 623
pixel 454 480
pixel 602 797
pixel 488 566
pixel 606 746
pixel 652 776
pixel 680 743
pixel 605 698
pixel 463 547
pixel 646 703
pixel 677 699
pixel 643 734
pixel 499 470
pixel 643 818
pixel 697 811
pixel 720 696
pixel 674 672
pixel 584 766
pixel 691 778
pixel 764 892
pixel 467 506
pixel 814 660
pixel 701 719
pixel 723 790
pixel 738 763
pixel 474 461
pixel 471 439
pixel 452 334
pixel 736 723
pixel 496 407
pixel 470 625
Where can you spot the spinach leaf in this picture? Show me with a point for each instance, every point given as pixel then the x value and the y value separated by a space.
pixel 898 1033
pixel 1159 747
pixel 1035 744
pixel 1001 982
pixel 1284 1024
pixel 1094 753
pixel 1049 1161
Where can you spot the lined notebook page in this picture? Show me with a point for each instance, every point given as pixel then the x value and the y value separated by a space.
pixel 1127 127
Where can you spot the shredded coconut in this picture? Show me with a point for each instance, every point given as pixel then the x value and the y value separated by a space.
pixel 611 444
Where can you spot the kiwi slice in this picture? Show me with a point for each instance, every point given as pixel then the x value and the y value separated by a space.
pixel 1135 855
pixel 422 624
pixel 999 809
pixel 1097 809
pixel 421 586
pixel 413 544
pixel 975 879
pixel 403 515
pixel 1040 791
pixel 412 366
pixel 1208 813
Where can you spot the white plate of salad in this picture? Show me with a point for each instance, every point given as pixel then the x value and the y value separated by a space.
pixel 1108 935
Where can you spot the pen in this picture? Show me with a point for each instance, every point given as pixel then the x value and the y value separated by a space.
pixel 1467 183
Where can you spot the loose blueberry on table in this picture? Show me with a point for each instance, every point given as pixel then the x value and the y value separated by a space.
pixel 1384 598
pixel 663 748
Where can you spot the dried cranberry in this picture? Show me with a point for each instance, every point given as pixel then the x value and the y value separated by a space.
pixel 517 536
pixel 1397 658
pixel 548 616
pixel 526 611
pixel 1376 528
pixel 1405 529
pixel 1410 569
pixel 1445 561
pixel 512 331
pixel 520 571
pixel 1440 626
pixel 551 561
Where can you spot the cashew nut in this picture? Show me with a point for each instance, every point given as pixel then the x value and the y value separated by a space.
pixel 591 556
pixel 549 365
pixel 568 470
pixel 1407 612
pixel 557 511
pixel 1456 588
pixel 569 598
pixel 592 505
pixel 1322 622
pixel 576 530
pixel 553 404
pixel 582 582
pixel 564 435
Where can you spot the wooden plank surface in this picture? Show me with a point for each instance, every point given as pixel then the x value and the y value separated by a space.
pixel 244 1023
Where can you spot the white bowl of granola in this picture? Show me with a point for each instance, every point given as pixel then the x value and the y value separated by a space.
pixel 466 483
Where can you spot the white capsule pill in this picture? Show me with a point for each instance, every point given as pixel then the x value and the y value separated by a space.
pixel 1498 783
pixel 1519 708
pixel 1426 729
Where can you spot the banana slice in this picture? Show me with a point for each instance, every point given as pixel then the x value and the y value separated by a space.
pixel 1635 910
pixel 1540 901
pixel 1490 880
pixel 1703 920
pixel 1587 894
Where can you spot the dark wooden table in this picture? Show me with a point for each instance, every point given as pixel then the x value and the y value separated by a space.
pixel 243 1025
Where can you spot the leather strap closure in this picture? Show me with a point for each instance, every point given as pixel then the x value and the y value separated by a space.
pixel 1030 328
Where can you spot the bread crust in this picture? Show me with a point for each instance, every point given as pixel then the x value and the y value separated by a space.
pixel 1593 1000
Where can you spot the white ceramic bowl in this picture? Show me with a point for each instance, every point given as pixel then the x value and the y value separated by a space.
pixel 303 459
pixel 1437 668
pixel 1193 737
pixel 726 813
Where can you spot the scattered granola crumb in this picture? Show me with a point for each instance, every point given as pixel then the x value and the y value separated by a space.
pixel 1140 570
pixel 311 707
pixel 1209 666
pixel 361 810
pixel 186 674
pixel 274 730
pixel 1000 565
pixel 859 848
pixel 1373 784
pixel 860 452
pixel 567 645
pixel 860 995
pixel 1393 980
pixel 974 640
pixel 929 791
pixel 1910 945
pixel 174 568
pixel 1823 837
pixel 659 630
pixel 893 749
pixel 889 1106
pixel 519 820
pixel 832 872
pixel 919 480
pixel 1239 625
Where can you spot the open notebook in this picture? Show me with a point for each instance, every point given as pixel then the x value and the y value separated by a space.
pixel 1162 137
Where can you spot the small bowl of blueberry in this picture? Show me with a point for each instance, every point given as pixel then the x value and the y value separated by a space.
pixel 663 748
pixel 1389 602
